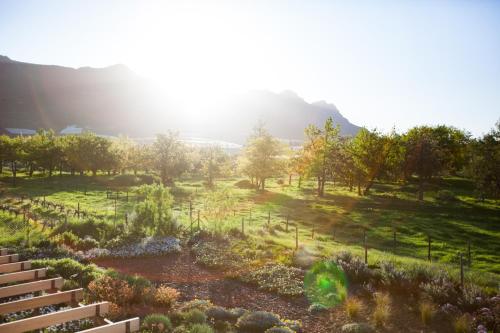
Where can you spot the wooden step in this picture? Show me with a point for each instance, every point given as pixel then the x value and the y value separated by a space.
pixel 26 288
pixel 55 318
pixel 70 296
pixel 10 258
pixel 119 327
pixel 23 276
pixel 15 267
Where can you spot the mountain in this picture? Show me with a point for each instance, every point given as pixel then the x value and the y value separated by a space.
pixel 116 100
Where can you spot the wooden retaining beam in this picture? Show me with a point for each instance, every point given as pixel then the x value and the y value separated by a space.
pixel 70 296
pixel 55 318
pixel 15 267
pixel 9 259
pixel 119 327
pixel 26 288
pixel 23 276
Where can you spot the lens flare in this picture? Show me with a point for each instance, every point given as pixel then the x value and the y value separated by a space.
pixel 326 284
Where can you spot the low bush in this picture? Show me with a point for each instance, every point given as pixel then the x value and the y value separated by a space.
pixel 166 296
pixel 157 323
pixel 258 321
pixel 353 307
pixel 201 328
pixel 218 313
pixel 69 239
pixel 195 316
pixel 107 288
pixel 441 290
pixel 462 324
pixel 69 269
pixel 86 244
pixel 357 328
pixel 355 269
pixel 279 329
pixel 244 184
pixel 382 311
pixel 284 280
pixel 427 311
pixel 445 196
pixel 215 255
pixel 200 304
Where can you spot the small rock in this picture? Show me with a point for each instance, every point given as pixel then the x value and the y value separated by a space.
pixel 357 328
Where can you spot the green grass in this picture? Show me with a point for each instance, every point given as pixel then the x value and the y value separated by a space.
pixel 341 212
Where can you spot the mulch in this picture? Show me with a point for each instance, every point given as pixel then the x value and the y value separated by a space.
pixel 193 281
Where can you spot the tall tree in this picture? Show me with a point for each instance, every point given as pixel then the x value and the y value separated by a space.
pixel 214 163
pixel 170 157
pixel 262 157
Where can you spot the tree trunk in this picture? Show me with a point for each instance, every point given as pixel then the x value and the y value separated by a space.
pixel 1 166
pixel 30 170
pixel 289 179
pixel 14 173
pixel 420 189
pixel 135 172
pixel 319 186
pixel 300 182
pixel 263 183
pixel 359 189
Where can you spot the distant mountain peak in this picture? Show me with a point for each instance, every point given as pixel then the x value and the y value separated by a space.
pixel 5 59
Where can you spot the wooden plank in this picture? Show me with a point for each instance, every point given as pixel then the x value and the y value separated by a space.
pixel 15 267
pixel 23 276
pixel 9 259
pixel 55 318
pixel 4 252
pixel 119 327
pixel 26 288
pixel 69 296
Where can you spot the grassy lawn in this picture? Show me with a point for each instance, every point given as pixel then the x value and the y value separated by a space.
pixel 339 219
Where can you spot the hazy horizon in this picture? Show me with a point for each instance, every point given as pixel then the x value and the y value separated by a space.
pixel 382 64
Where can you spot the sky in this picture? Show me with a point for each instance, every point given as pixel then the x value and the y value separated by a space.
pixel 384 64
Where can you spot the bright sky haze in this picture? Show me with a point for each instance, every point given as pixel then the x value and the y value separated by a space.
pixel 382 63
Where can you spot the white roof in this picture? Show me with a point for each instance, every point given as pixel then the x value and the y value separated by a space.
pixel 72 130
pixel 21 131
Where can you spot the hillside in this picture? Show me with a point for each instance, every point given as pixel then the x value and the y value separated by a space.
pixel 115 100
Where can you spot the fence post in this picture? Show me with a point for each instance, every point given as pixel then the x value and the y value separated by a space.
pixel 78 210
pixel 429 249
pixel 296 237
pixel 126 220
pixel 190 210
pixel 394 237
pixel 243 225
pixel 198 219
pixel 366 247
pixel 287 218
pixel 127 195
pixel 469 256
pixel 461 270
pixel 250 217
pixel 269 218
pixel 312 233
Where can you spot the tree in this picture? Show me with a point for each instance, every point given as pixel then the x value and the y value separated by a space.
pixel 214 163
pixel 423 156
pixel 262 157
pixel 12 152
pixel 369 152
pixel 321 152
pixel 170 157
pixel 485 164
pixel 154 214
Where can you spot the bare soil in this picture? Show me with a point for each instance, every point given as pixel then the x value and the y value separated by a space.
pixel 193 281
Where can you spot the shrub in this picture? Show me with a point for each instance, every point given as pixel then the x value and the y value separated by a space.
pixel 441 290
pixel 157 323
pixel 316 308
pixel 201 328
pixel 353 307
pixel 166 296
pixel 396 278
pixel 115 312
pixel 284 280
pixel 355 269
pixel 462 324
pixel 218 313
pixel 181 329
pixel 471 298
pixel 195 316
pixel 382 310
pixel 108 289
pixel 258 321
pixel 357 328
pixel 427 311
pixel 279 329
pixel 142 288
pixel 86 244
pixel 200 304
pixel 69 269
pixel 69 239
pixel 244 184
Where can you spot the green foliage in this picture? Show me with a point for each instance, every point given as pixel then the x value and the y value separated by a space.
pixel 166 296
pixel 69 269
pixel 357 328
pixel 195 316
pixel 154 213
pixel 157 323
pixel 279 329
pixel 258 321
pixel 201 328
pixel 169 157
pixel 427 311
pixel 86 244
pixel 284 280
